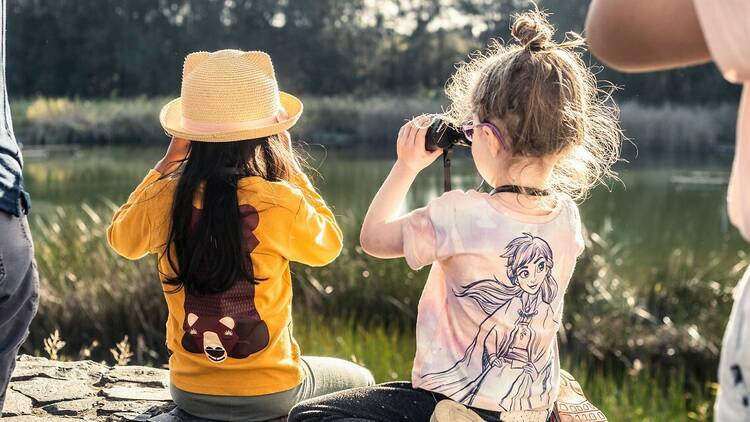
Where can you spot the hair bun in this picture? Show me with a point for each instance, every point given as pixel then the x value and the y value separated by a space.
pixel 533 30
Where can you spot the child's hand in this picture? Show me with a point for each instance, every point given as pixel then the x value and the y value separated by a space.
pixel 410 145
pixel 176 153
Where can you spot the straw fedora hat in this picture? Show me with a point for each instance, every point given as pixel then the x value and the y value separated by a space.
pixel 229 95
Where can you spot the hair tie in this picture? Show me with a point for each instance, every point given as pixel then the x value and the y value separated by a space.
pixel 537 45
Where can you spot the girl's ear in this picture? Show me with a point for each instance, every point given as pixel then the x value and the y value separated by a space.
pixel 494 144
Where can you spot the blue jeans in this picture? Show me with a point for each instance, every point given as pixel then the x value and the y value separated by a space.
pixel 19 292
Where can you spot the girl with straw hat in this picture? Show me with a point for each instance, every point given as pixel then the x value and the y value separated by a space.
pixel 225 211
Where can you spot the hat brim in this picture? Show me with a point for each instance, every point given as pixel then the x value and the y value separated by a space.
pixel 170 118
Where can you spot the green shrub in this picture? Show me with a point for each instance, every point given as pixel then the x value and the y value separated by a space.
pixel 345 121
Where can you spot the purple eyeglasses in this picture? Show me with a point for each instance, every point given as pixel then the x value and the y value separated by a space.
pixel 468 131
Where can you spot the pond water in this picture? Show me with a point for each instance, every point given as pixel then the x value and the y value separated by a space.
pixel 661 205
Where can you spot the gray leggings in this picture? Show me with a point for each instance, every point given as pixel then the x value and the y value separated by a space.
pixel 19 286
pixel 322 376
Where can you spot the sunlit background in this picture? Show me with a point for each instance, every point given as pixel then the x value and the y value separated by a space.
pixel 650 297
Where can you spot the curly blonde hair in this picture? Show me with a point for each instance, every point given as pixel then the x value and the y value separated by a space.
pixel 545 100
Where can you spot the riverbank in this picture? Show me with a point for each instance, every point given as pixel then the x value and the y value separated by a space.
pixel 350 122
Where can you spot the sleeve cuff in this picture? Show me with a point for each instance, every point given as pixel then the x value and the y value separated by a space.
pixel 152 176
pixel 410 254
pixel 418 236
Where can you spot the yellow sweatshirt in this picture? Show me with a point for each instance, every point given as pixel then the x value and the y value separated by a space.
pixel 239 342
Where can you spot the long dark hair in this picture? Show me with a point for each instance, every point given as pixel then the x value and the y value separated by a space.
pixel 208 254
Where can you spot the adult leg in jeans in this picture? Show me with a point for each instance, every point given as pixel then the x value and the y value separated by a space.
pixel 393 401
pixel 19 286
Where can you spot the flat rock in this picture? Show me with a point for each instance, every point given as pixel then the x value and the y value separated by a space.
pixel 29 358
pixel 28 368
pixel 133 406
pixel 138 393
pixel 16 404
pixel 73 407
pixel 144 415
pixel 128 416
pixel 177 415
pixel 144 375
pixel 44 390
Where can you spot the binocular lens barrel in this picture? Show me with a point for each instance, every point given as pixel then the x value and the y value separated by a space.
pixel 444 136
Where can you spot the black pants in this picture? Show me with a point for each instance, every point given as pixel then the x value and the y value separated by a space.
pixel 392 401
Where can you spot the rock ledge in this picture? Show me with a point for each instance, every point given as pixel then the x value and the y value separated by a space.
pixel 45 390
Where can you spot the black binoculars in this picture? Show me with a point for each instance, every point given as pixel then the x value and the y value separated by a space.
pixel 445 136
pixel 442 135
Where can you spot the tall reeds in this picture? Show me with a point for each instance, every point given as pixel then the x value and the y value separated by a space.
pixel 675 312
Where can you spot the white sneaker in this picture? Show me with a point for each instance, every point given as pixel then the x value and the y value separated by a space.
pixel 572 405
pixel 451 411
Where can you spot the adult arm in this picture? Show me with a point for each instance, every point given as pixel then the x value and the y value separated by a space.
pixel 646 35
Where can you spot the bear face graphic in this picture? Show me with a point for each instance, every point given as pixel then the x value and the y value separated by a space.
pixel 211 336
pixel 220 338
pixel 227 324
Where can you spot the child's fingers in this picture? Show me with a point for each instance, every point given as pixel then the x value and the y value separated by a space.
pixel 417 125
pixel 180 141
pixel 409 136
pixel 178 148
pixel 401 140
pixel 420 135
pixel 423 120
pixel 421 124
pixel 402 130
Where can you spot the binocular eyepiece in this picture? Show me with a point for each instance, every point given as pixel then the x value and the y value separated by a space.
pixel 445 136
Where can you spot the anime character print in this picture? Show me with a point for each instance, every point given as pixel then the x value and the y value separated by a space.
pixel 506 356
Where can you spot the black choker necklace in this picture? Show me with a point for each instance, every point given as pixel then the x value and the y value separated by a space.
pixel 520 190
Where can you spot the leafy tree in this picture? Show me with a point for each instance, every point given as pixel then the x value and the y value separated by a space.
pixel 114 48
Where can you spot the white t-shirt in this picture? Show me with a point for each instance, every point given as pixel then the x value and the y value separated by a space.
pixel 490 311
